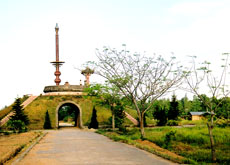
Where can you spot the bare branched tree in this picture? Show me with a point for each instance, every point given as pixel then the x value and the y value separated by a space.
pixel 141 79
pixel 202 77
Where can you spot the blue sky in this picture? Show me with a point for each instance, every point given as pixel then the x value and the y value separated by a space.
pixel 27 36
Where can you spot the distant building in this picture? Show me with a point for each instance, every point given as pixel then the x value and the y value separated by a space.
pixel 197 115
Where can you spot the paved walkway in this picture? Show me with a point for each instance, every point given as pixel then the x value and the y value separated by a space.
pixel 74 146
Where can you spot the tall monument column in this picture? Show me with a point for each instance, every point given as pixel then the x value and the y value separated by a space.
pixel 57 63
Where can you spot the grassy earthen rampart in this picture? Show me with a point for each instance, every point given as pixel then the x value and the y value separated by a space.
pixel 37 109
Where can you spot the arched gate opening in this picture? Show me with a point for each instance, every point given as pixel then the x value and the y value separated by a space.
pixel 68 114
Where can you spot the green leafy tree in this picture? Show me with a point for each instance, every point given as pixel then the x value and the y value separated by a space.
pixel 161 115
pixel 196 104
pixel 174 111
pixel 108 95
pixel 139 78
pixel 119 116
pixel 204 100
pixel 224 110
pixel 19 112
pixel 66 112
pixel 185 105
pixel 47 123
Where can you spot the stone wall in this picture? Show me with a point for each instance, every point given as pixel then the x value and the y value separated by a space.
pixel 64 88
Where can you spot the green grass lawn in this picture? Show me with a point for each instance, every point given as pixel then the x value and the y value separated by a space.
pixel 193 122
pixel 192 142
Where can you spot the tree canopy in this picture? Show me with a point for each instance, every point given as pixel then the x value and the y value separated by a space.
pixel 140 78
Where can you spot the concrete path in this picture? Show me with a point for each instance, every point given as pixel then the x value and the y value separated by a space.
pixel 74 146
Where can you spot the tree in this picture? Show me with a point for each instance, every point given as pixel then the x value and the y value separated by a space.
pixel 47 123
pixel 223 110
pixel 108 96
pixel 66 113
pixel 119 116
pixel 144 121
pixel 205 99
pixel 94 122
pixel 185 106
pixel 139 78
pixel 19 120
pixel 160 114
pixel 202 77
pixel 19 112
pixel 196 104
pixel 173 112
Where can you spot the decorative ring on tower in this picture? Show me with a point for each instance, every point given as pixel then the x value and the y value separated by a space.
pixel 57 73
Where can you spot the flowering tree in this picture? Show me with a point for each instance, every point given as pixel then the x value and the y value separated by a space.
pixel 139 78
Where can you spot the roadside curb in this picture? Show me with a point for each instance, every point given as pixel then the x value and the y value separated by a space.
pixel 28 149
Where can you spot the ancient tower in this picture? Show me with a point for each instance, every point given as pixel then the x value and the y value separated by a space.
pixel 57 63
pixel 87 73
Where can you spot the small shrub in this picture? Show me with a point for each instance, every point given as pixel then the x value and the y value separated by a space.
pixel 132 131
pixel 172 123
pixel 66 118
pixel 120 138
pixel 168 138
pixel 51 97
pixel 47 123
pixel 135 137
pixel 17 126
pixel 6 133
pixel 222 122
pixel 123 130
pixel 94 122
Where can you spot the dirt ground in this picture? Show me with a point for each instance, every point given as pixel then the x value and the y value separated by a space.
pixel 10 145
pixel 159 149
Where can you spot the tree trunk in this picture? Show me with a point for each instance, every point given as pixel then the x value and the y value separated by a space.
pixel 213 151
pixel 142 126
pixel 113 121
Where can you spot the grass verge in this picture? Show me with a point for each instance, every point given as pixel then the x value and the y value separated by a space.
pixel 147 146
pixel 182 145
